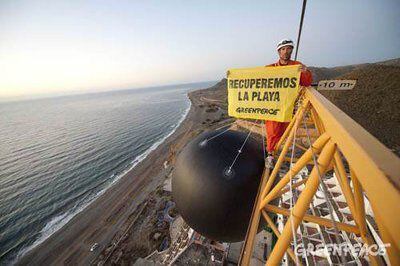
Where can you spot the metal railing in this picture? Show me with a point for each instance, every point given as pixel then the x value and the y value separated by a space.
pixel 339 148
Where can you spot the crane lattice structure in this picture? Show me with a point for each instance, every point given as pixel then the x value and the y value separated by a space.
pixel 325 160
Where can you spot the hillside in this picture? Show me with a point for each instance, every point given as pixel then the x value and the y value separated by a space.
pixel 374 102
pixel 320 73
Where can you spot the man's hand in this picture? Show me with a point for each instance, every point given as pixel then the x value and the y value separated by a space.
pixel 303 68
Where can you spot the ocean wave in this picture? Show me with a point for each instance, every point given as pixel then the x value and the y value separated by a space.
pixel 59 221
pixel 56 224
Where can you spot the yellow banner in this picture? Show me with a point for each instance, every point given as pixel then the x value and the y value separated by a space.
pixel 266 93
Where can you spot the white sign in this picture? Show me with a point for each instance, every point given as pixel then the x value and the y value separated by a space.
pixel 336 84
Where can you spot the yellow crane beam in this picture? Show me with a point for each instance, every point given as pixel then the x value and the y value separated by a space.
pixel 362 166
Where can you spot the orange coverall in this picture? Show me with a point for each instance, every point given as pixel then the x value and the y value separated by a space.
pixel 275 129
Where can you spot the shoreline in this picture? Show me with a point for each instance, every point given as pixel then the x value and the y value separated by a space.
pixel 68 216
pixel 109 214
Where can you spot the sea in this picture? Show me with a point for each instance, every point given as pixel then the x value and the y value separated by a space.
pixel 57 155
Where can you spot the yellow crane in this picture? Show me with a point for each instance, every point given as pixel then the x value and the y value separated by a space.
pixel 330 141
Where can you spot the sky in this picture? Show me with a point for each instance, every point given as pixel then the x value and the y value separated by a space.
pixel 50 47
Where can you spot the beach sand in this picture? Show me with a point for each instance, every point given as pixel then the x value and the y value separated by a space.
pixel 136 195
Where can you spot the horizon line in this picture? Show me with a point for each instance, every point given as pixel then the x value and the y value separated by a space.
pixel 7 99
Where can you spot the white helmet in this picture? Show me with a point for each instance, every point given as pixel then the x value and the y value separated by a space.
pixel 284 42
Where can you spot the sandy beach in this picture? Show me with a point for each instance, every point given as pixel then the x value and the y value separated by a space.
pixel 109 219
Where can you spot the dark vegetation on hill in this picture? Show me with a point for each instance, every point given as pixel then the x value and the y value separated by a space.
pixel 320 73
pixel 374 102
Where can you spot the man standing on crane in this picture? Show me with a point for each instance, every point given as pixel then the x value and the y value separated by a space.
pixel 275 129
